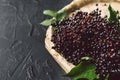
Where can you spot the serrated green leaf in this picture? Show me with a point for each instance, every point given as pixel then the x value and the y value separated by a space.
pixel 47 22
pixel 85 69
pixel 56 16
pixel 50 13
pixel 113 14
pixel 61 14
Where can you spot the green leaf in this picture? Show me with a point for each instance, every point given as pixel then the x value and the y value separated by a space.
pixel 106 78
pixel 61 15
pixel 113 14
pixel 50 13
pixel 85 69
pixel 56 16
pixel 47 22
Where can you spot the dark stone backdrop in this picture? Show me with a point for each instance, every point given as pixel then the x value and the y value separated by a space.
pixel 22 52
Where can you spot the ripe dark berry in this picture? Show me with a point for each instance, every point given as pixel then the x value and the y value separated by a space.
pixel 89 35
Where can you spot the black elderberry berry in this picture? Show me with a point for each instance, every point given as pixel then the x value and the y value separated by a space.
pixel 89 35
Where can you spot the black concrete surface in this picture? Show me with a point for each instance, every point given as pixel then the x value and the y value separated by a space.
pixel 22 52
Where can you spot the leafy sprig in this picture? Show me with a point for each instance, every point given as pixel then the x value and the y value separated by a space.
pixel 85 69
pixel 113 16
pixel 56 16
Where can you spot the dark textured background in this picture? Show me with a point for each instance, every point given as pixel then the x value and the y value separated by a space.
pixel 22 52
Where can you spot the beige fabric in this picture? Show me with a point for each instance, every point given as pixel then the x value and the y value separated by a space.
pixel 75 4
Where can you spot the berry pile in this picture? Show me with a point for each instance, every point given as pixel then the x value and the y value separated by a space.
pixel 89 34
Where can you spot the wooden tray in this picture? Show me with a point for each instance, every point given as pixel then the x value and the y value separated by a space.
pixel 84 5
